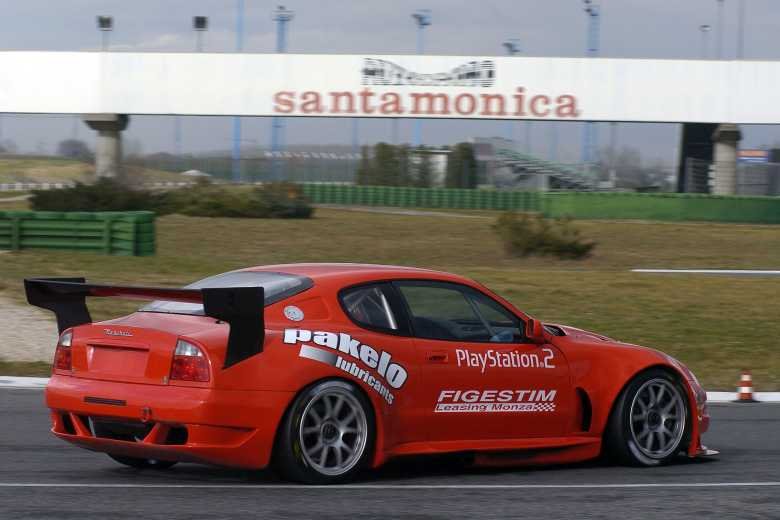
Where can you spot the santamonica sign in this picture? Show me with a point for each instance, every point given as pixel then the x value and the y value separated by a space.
pixel 396 86
pixel 470 89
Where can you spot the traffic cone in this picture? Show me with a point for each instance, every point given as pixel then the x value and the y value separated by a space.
pixel 745 388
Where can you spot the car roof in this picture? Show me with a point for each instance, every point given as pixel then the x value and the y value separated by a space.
pixel 337 275
pixel 347 270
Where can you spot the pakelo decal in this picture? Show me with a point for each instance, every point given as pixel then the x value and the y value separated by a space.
pixel 496 359
pixel 348 354
pixel 488 401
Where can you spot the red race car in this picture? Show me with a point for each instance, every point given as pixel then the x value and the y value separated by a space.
pixel 325 369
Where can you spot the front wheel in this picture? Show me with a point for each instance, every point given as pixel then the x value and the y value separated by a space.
pixel 650 423
pixel 327 435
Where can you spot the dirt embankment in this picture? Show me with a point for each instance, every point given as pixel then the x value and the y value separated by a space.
pixel 26 333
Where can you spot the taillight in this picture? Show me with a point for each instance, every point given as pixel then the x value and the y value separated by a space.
pixel 189 363
pixel 62 356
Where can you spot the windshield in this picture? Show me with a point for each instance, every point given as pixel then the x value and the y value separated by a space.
pixel 277 286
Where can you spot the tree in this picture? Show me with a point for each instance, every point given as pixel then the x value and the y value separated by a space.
pixel 404 176
pixel 386 165
pixel 365 171
pixel 462 167
pixel 74 149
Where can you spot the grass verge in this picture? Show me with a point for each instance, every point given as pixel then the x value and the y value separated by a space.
pixel 59 169
pixel 25 368
pixel 717 325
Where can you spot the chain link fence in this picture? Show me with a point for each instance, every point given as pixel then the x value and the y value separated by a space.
pixel 287 166
pixel 757 179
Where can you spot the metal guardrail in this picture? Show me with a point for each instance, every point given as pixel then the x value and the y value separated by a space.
pixel 30 186
pixel 582 205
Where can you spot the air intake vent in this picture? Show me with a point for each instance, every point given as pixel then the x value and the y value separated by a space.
pixel 555 331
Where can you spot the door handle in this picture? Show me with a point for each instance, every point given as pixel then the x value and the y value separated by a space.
pixel 437 357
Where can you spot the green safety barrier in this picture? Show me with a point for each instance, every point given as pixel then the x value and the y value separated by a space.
pixel 127 233
pixel 575 204
pixel 444 198
pixel 662 206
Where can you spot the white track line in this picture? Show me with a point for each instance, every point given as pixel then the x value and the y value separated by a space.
pixel 395 486
pixel 741 272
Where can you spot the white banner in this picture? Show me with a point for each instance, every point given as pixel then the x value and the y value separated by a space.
pixel 391 86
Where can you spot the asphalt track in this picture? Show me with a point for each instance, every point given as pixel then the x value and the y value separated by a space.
pixel 43 478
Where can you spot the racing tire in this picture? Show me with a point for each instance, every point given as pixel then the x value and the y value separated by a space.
pixel 651 422
pixel 327 435
pixel 134 462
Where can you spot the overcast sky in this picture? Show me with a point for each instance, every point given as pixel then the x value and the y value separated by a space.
pixel 630 29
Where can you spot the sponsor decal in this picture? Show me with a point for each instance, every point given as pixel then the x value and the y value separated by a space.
pixel 495 401
pixel 112 332
pixel 472 74
pixel 515 105
pixel 374 367
pixel 447 95
pixel 496 359
pixel 293 313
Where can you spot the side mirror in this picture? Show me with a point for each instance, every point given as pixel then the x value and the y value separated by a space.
pixel 534 331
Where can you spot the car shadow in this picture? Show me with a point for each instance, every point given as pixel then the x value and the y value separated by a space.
pixel 403 469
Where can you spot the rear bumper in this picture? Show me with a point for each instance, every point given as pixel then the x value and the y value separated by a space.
pixel 223 427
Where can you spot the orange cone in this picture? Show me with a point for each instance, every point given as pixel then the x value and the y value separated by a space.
pixel 745 388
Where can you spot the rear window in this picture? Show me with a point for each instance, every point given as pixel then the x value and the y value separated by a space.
pixel 278 286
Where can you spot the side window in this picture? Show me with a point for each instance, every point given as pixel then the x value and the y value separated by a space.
pixel 368 305
pixel 450 312
pixel 505 327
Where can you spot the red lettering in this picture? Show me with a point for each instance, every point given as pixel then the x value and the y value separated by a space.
pixel 431 99
pixel 335 97
pixel 365 95
pixel 535 109
pixel 487 100
pixel 567 106
pixel 472 103
pixel 520 102
pixel 311 103
pixel 283 102
pixel 391 103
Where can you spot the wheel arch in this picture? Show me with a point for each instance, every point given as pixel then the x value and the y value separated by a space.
pixel 681 378
pixel 378 418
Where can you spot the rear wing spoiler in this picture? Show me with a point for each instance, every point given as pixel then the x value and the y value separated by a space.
pixel 241 307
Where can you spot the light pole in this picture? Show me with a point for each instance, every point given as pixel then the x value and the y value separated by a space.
pixel 590 135
pixel 200 24
pixel 613 153
pixel 741 31
pixel 720 29
pixel 704 29
pixel 512 46
pixel 422 18
pixel 282 17
pixel 236 167
pixel 105 25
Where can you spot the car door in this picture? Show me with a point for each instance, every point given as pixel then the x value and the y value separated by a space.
pixel 482 379
pixel 392 371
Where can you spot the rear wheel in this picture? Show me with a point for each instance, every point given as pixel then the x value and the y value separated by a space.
pixel 650 423
pixel 327 435
pixel 143 463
